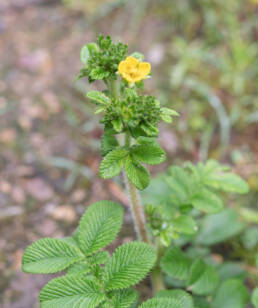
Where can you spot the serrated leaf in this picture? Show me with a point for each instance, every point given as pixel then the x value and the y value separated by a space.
pixel 99 225
pixel 255 297
pixel 87 51
pixel 113 163
pixel 150 130
pixel 207 201
pixel 100 257
pixel 250 238
pixel 98 97
pixel 166 118
pixel 185 224
pixel 151 154
pixel 85 54
pixel 207 282
pixel 49 255
pixel 196 271
pixel 182 186
pixel 228 182
pixel 169 111
pixel 232 293
pixel 166 114
pixel 227 270
pixel 98 73
pixel 71 291
pixel 219 227
pixel 129 264
pixel 78 268
pixel 201 302
pixel 108 143
pixel 118 125
pixel 124 298
pixel 162 302
pixel 179 295
pixel 137 174
pixel 175 263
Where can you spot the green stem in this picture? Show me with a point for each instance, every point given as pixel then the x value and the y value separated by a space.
pixel 157 280
pixel 135 204
pixel 113 88
pixel 156 274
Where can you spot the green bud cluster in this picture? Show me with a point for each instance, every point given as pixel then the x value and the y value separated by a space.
pixel 139 114
pixel 101 60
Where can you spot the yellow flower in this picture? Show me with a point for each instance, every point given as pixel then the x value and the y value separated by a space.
pixel 133 70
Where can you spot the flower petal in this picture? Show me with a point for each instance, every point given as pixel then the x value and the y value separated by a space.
pixel 122 67
pixel 131 61
pixel 144 69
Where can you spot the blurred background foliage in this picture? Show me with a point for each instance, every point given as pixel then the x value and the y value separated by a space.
pixel 204 56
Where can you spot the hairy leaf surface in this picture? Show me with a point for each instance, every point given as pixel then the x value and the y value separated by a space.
pixel 99 225
pixel 129 264
pixel 49 255
pixel 71 291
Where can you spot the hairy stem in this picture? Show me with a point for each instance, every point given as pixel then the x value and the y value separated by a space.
pixel 156 274
pixel 135 204
pixel 113 88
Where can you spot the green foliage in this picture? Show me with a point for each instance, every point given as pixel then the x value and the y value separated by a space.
pixel 151 154
pixel 71 291
pixel 207 281
pixel 90 270
pixel 179 234
pixel 175 263
pixel 98 97
pixel 164 302
pixel 124 298
pixel 200 278
pixel 108 143
pixel 101 60
pixel 113 163
pixel 179 295
pixel 196 186
pixel 137 173
pixel 99 226
pixel 219 227
pixel 49 256
pixel 255 297
pixel 232 293
pixel 129 264
pixel 185 224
